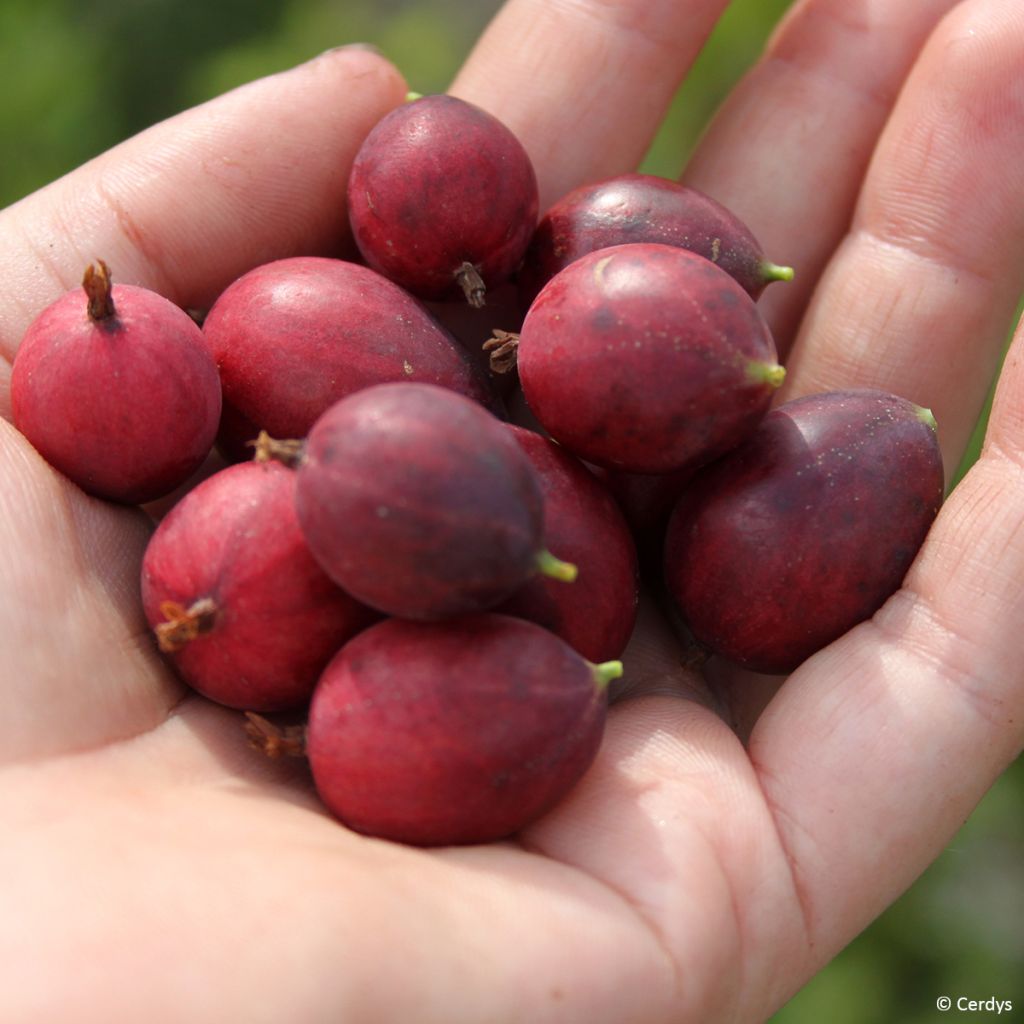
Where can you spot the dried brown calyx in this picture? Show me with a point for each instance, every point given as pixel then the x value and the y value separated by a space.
pixel 503 346
pixel 288 451
pixel 182 625
pixel 273 740
pixel 97 285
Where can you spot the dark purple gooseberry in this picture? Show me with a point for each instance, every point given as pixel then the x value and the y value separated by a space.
pixel 806 528
pixel 583 523
pixel 420 503
pixel 644 208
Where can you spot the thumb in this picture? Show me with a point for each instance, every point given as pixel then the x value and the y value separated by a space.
pixel 186 206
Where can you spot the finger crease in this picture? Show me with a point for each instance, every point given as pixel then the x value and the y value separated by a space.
pixel 135 233
pixel 927 249
pixel 783 825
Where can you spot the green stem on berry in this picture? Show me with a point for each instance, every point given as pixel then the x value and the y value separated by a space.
pixel 605 672
pixel 927 417
pixel 773 272
pixel 472 284
pixel 410 96
pixel 96 283
pixel 548 565
pixel 771 374
pixel 289 451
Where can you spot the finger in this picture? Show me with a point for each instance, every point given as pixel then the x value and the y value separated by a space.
pixel 191 203
pixel 920 296
pixel 788 149
pixel 861 769
pixel 105 852
pixel 672 817
pixel 77 660
pixel 876 750
pixel 584 84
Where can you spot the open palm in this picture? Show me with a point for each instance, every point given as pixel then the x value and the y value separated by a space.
pixel 733 835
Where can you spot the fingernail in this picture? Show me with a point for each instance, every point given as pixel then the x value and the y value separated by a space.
pixel 360 47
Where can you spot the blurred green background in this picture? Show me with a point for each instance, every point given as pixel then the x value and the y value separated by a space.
pixel 77 76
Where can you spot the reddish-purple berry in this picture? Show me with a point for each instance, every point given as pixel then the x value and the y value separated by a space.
pixel 293 336
pixel 583 523
pixel 806 528
pixel 116 388
pixel 420 503
pixel 646 358
pixel 237 601
pixel 456 732
pixel 442 199
pixel 644 208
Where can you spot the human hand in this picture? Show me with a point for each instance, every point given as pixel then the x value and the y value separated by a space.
pixel 732 836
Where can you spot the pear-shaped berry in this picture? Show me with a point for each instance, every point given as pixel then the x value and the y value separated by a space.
pixel 456 732
pixel 806 528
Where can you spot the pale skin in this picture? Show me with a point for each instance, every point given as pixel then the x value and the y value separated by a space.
pixel 733 835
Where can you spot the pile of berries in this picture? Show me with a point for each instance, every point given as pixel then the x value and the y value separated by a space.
pixel 441 594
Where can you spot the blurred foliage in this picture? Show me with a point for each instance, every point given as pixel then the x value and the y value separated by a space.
pixel 79 76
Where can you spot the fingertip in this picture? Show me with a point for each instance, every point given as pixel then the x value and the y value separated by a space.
pixel 264 169
pixel 363 63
